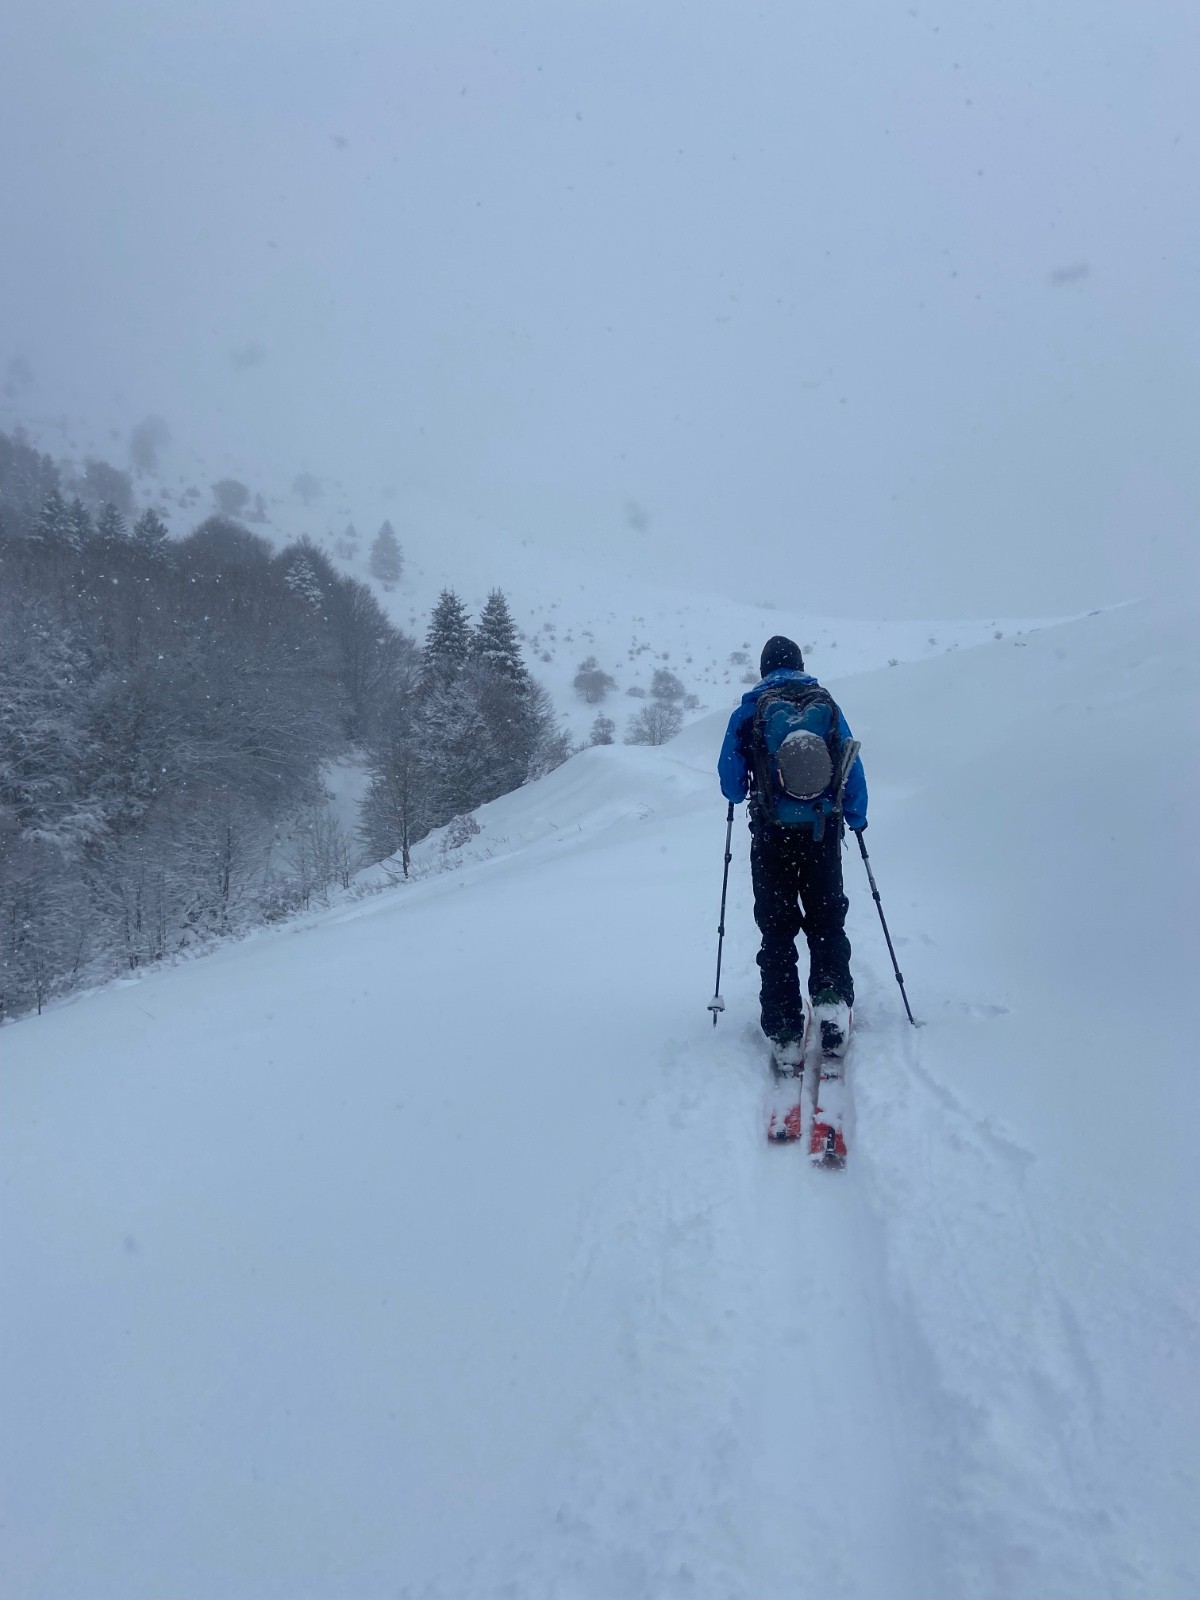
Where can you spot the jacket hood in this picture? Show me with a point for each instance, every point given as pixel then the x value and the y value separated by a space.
pixel 780 675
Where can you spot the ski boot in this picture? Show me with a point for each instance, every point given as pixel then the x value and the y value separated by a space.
pixel 787 1051
pixel 832 1016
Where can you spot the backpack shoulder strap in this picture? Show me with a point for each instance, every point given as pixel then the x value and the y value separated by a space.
pixel 758 763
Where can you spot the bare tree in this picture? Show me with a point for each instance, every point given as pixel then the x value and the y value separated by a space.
pixel 655 723
pixel 395 811
pixel 320 855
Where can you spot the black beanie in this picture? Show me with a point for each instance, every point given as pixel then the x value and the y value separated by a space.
pixel 780 652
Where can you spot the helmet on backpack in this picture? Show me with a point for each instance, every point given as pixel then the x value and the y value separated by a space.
pixel 798 757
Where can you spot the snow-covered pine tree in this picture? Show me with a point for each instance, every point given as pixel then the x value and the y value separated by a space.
pixel 454 736
pixel 150 535
pixel 387 559
pixel 502 688
pixel 110 525
pixel 495 643
pixel 54 522
pixel 81 523
pixel 548 742
pixel 302 580
pixel 462 762
pixel 26 479
pixel 447 641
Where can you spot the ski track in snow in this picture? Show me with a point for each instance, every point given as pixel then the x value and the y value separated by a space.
pixel 826 1386
pixel 823 1388
pixel 1006 1391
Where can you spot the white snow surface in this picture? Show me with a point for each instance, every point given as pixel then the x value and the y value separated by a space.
pixel 431 1247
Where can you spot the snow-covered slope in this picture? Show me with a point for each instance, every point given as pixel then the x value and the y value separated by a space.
pixel 431 1248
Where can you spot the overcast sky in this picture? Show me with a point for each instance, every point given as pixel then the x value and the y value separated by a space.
pixel 897 303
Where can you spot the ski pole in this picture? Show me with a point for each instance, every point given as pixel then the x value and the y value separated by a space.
pixel 716 1005
pixel 879 907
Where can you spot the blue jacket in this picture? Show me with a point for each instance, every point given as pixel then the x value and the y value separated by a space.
pixel 734 772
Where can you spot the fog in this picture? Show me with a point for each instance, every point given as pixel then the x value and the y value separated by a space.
pixel 892 307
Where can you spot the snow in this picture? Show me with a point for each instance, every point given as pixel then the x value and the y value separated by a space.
pixel 431 1248
pixel 346 782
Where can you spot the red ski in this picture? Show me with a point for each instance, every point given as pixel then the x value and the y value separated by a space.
pixel 827 1138
pixel 785 1106
pixel 812 1107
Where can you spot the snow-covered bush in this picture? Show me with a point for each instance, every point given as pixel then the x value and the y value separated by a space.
pixel 592 682
pixel 664 685
pixel 459 831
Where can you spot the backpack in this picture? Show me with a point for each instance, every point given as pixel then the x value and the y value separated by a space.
pixel 798 757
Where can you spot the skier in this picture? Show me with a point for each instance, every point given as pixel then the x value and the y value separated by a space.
pixel 789 747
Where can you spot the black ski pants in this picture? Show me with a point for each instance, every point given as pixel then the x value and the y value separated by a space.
pixel 798 888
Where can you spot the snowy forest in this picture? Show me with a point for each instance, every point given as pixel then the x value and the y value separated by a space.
pixel 168 708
